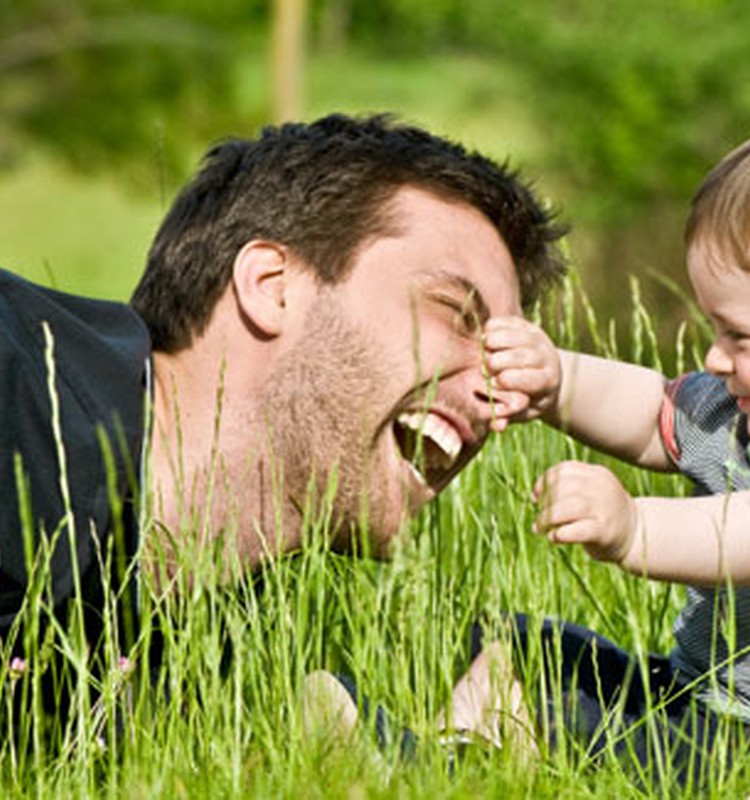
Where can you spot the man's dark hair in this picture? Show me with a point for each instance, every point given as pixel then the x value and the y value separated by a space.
pixel 322 189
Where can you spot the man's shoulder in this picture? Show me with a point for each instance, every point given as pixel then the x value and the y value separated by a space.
pixel 88 337
pixel 25 303
pixel 90 358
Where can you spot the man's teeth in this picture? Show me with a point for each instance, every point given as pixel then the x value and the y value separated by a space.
pixel 439 432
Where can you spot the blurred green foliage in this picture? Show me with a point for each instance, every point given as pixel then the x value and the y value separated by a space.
pixel 637 96
pixel 93 80
pixel 633 101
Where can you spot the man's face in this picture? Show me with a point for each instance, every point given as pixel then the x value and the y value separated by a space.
pixel 384 391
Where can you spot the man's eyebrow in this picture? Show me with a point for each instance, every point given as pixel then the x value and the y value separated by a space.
pixel 473 297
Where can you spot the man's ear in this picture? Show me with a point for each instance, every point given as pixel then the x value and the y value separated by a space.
pixel 259 277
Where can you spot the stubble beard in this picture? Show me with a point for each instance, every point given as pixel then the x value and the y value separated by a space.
pixel 322 408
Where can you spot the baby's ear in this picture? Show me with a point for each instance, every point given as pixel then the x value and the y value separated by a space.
pixel 259 276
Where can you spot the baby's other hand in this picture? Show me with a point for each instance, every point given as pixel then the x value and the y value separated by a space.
pixel 586 504
pixel 523 368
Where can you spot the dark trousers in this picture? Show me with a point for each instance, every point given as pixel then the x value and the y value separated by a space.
pixel 597 698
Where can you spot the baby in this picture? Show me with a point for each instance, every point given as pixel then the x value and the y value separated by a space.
pixel 696 424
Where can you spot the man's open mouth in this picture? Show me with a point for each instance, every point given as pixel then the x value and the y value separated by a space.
pixel 430 445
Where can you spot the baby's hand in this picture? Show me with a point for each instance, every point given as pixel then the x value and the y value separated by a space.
pixel 586 504
pixel 524 369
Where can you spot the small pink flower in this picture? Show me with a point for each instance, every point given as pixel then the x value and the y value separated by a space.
pixel 125 665
pixel 17 667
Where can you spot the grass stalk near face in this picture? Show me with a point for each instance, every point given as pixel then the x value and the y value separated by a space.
pixel 220 716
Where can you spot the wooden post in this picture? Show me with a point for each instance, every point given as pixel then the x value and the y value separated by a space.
pixel 288 59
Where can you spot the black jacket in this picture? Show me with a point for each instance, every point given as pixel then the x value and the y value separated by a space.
pixel 100 351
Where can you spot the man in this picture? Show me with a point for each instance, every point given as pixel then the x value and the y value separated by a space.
pixel 314 301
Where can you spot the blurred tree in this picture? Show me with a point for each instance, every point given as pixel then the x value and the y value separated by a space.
pixel 289 26
pixel 637 95
pixel 335 19
pixel 101 81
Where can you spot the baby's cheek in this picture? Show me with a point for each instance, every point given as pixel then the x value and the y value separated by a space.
pixel 743 374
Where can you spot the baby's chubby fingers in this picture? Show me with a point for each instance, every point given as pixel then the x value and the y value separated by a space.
pixel 586 504
pixel 559 477
pixel 507 331
pixel 559 496
pixel 512 342
pixel 519 357
pixel 506 406
pixel 579 531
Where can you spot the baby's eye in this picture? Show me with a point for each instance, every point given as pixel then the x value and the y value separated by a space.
pixel 735 336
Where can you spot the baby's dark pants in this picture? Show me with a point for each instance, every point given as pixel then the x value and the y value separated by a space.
pixel 596 698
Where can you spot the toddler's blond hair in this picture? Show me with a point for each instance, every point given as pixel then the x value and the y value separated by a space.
pixel 720 210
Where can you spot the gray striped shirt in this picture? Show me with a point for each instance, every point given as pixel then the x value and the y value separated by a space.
pixel 707 438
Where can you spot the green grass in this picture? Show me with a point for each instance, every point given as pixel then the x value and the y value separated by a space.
pixel 218 727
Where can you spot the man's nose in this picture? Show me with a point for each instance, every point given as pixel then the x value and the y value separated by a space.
pixel 469 383
pixel 718 359
pixel 485 399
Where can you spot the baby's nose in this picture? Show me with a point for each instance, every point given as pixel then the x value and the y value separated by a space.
pixel 718 361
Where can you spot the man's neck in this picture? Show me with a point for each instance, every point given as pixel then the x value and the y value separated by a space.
pixel 209 465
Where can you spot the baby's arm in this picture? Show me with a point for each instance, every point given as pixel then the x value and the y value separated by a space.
pixel 608 404
pixel 697 540
pixel 614 407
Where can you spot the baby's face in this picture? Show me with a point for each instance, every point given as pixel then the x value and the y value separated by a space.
pixel 722 289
